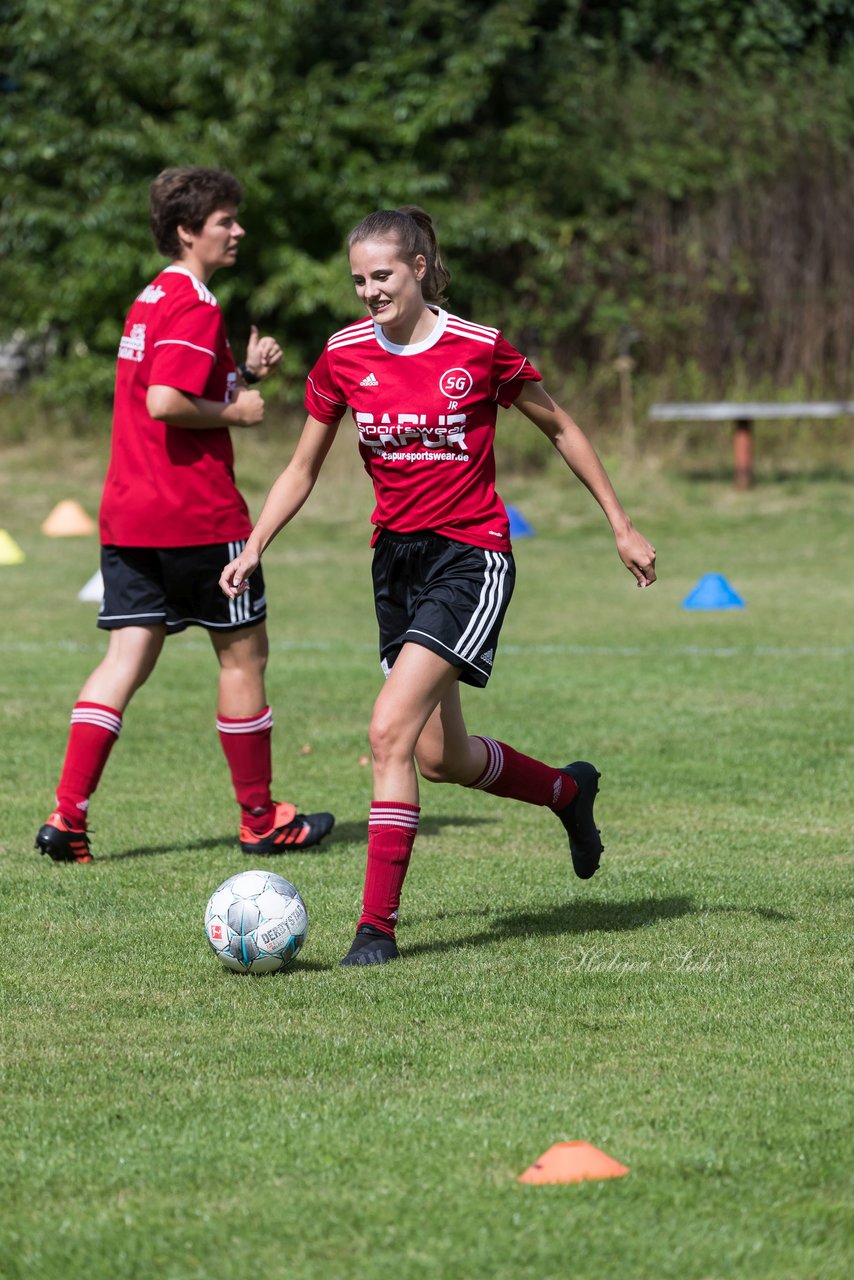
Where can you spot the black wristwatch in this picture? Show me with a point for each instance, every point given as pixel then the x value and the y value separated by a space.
pixel 247 375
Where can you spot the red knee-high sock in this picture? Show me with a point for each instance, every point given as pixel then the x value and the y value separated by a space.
pixel 392 828
pixel 246 745
pixel 94 730
pixel 509 773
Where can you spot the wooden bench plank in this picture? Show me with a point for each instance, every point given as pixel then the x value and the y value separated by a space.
pixel 731 410
pixel 743 413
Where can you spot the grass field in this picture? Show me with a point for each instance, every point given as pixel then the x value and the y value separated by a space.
pixel 687 1011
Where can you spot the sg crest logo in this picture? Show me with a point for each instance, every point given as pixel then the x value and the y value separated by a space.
pixel 455 383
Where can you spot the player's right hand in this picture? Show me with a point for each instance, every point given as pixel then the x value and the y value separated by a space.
pixel 233 580
pixel 248 408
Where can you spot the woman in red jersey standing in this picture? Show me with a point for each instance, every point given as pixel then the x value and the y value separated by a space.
pixel 171 512
pixel 424 387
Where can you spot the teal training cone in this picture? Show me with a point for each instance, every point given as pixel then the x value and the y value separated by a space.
pixel 713 592
pixel 519 527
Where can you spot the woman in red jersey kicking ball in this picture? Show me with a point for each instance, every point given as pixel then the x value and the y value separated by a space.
pixel 424 387
pixel 170 514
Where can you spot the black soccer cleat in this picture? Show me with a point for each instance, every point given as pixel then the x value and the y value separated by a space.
pixel 61 843
pixel 288 831
pixel 585 843
pixel 371 946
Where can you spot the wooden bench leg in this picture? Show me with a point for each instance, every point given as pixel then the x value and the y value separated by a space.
pixel 742 449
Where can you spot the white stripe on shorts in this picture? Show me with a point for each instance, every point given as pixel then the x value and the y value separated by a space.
pixel 238 608
pixel 488 606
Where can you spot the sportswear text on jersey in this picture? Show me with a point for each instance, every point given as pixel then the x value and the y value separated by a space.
pixel 391 438
pixel 132 345
pixel 425 416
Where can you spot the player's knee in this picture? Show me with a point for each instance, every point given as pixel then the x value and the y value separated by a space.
pixel 128 667
pixel 430 769
pixel 261 651
pixel 381 737
pixel 432 773
pixel 390 739
pixel 435 767
pixel 254 668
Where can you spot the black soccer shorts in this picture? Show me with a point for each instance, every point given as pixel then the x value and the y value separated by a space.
pixel 446 595
pixel 178 587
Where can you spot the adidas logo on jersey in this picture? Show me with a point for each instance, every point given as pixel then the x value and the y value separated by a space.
pixel 370 381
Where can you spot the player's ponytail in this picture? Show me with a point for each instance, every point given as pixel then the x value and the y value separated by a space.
pixel 437 277
pixel 413 230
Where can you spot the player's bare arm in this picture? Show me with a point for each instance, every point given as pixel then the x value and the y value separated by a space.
pixel 288 493
pixel 168 404
pixel 636 553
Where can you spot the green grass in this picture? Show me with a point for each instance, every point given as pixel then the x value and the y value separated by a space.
pixel 688 1011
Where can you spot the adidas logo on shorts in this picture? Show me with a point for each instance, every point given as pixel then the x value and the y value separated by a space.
pixel 370 381
pixel 487 657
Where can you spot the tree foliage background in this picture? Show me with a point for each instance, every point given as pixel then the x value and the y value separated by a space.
pixel 673 174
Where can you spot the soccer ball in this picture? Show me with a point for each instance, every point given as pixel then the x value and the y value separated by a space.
pixel 256 922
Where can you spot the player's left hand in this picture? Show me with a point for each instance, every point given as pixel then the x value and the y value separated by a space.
pixel 638 556
pixel 234 579
pixel 262 354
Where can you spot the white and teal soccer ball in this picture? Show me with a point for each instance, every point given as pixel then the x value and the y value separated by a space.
pixel 256 922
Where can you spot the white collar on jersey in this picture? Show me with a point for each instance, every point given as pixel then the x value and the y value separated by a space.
pixel 201 288
pixel 414 348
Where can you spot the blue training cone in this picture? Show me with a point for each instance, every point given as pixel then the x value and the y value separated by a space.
pixel 713 592
pixel 519 527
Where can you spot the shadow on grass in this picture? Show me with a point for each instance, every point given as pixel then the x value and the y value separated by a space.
pixel 179 846
pixel 344 833
pixel 567 917
pixel 583 917
pixel 357 832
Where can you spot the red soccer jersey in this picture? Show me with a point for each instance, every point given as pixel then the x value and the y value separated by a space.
pixel 425 414
pixel 172 486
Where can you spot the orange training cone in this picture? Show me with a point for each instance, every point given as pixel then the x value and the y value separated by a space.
pixel 573 1162
pixel 68 520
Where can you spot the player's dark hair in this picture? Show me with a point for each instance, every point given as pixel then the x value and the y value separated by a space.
pixel 186 198
pixel 413 230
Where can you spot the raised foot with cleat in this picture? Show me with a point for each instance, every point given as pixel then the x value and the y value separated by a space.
pixel 585 842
